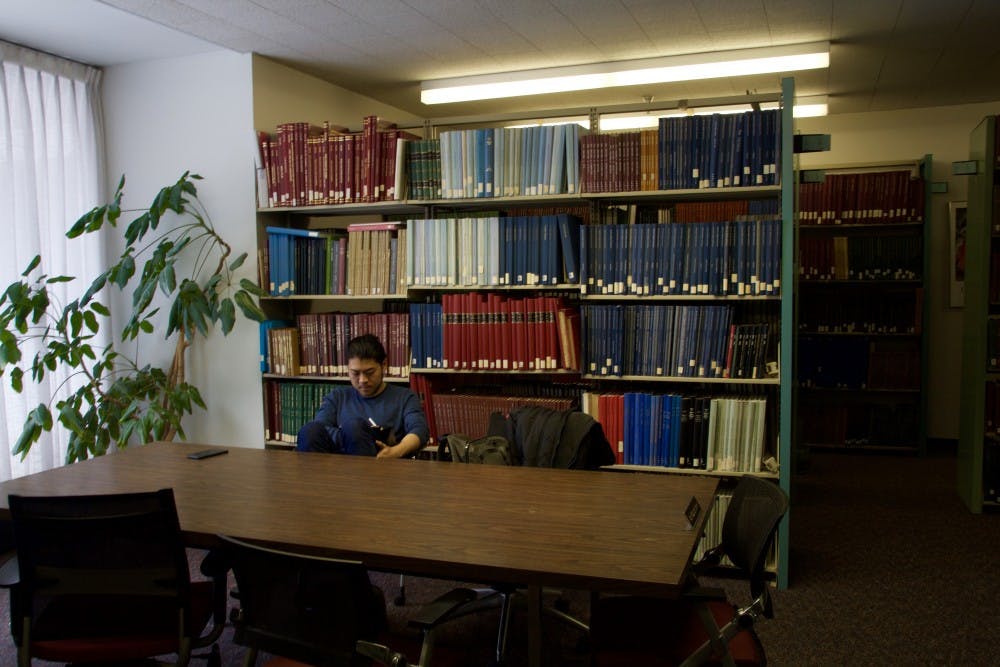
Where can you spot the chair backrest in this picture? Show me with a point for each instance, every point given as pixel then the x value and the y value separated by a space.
pixel 303 607
pixel 116 554
pixel 754 512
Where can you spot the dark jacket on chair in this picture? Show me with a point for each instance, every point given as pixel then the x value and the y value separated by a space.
pixel 548 438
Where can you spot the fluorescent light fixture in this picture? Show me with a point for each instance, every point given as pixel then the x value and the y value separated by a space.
pixel 581 121
pixel 742 62
pixel 810 107
pixel 804 107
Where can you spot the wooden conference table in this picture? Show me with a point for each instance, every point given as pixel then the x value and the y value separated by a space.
pixel 585 530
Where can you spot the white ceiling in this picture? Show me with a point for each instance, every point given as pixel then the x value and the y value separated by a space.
pixel 886 54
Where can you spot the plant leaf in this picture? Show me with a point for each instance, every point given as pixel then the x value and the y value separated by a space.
pixel 29 435
pixel 168 280
pixel 252 287
pixel 42 416
pixel 238 262
pixel 35 261
pixel 16 379
pixel 91 321
pixel 248 306
pixel 95 287
pixel 227 315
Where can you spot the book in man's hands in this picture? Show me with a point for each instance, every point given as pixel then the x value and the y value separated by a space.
pixel 381 433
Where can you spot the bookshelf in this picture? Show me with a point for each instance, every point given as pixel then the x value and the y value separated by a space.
pixel 978 472
pixel 459 360
pixel 861 329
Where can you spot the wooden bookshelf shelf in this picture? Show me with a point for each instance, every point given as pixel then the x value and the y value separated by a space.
pixel 862 390
pixel 688 194
pixel 679 297
pixel 334 298
pixel 772 381
pixel 562 287
pixel 860 448
pixel 326 378
pixel 862 334
pixel 690 471
pixel 491 371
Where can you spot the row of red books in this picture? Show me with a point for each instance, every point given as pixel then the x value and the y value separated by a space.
pixel 323 340
pixel 494 332
pixel 862 198
pixel 307 165
pixel 861 258
pixel 469 414
pixel 710 211
pixel 622 162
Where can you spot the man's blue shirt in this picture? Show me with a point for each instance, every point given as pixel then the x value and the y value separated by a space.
pixel 345 413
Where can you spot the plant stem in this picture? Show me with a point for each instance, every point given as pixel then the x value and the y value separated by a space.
pixel 175 377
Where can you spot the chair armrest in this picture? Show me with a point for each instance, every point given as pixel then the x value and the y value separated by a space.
pixel 380 654
pixel 9 573
pixel 708 561
pixel 442 608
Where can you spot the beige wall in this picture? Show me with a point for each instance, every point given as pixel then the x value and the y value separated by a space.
pixel 282 94
pixel 900 135
pixel 205 125
pixel 193 113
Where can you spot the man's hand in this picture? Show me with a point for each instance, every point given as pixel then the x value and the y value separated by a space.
pixel 409 445
pixel 388 451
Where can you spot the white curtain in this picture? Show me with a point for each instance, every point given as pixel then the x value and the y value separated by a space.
pixel 51 172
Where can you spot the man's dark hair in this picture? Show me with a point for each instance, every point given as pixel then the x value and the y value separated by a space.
pixel 366 346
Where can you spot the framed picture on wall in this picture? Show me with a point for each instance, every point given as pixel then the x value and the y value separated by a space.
pixel 957 211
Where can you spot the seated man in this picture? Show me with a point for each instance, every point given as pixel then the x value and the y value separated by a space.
pixel 371 417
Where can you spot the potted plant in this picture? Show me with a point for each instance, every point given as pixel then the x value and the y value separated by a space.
pixel 114 398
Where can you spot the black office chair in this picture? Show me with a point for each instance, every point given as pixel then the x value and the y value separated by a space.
pixel 320 611
pixel 532 436
pixel 105 578
pixel 701 627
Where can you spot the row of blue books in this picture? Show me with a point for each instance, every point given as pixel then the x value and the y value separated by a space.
pixel 719 258
pixel 725 433
pixel 426 336
pixel 510 161
pixel 493 251
pixel 655 340
pixel 675 341
pixel 298 261
pixel 709 433
pixel 719 150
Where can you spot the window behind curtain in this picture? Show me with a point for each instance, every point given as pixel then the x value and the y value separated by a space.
pixel 51 172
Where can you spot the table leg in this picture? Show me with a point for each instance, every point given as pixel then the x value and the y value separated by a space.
pixel 535 625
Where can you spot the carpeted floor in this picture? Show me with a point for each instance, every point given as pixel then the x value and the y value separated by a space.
pixel 887 568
